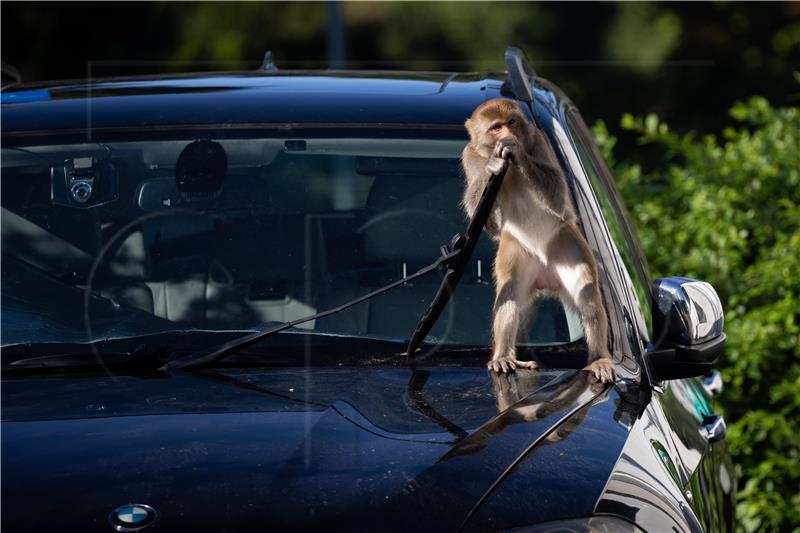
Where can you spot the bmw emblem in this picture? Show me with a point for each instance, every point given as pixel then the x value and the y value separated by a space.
pixel 133 517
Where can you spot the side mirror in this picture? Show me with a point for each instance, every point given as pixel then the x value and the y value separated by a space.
pixel 687 328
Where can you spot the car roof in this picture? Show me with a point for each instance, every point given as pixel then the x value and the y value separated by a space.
pixel 438 99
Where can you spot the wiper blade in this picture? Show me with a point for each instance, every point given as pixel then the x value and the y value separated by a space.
pixel 141 358
pixel 464 245
pixel 148 350
pixel 217 352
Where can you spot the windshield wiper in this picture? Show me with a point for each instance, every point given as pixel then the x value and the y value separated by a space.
pixel 464 245
pixel 144 357
pixel 149 350
pixel 217 352
pixel 455 256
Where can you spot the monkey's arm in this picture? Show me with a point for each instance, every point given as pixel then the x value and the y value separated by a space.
pixel 548 180
pixel 541 169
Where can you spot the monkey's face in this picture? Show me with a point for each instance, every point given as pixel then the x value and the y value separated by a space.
pixel 502 129
pixel 496 120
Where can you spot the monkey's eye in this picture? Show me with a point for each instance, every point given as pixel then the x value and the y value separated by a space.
pixel 512 122
pixel 496 127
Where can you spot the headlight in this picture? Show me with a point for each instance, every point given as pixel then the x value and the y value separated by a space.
pixel 595 524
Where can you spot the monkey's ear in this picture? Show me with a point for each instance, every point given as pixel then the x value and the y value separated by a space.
pixel 469 125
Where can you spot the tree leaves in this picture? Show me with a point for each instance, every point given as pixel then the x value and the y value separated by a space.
pixel 727 210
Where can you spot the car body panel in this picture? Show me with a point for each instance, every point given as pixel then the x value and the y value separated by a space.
pixel 255 100
pixel 570 468
pixel 645 486
pixel 303 447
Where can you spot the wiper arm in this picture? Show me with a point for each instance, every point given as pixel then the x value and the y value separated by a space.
pixel 217 352
pixel 463 245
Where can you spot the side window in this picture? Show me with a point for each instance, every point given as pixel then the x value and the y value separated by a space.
pixel 619 224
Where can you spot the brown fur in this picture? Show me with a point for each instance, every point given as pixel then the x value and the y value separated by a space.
pixel 541 251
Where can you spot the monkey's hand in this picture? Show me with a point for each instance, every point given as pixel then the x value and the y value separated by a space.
pixel 507 148
pixel 504 151
pixel 603 370
pixel 509 363
pixel 496 165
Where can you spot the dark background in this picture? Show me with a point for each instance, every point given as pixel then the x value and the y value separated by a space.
pixel 687 62
pixel 723 207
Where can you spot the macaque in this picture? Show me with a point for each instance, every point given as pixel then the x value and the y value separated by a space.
pixel 541 251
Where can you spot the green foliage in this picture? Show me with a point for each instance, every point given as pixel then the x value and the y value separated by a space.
pixel 224 38
pixel 477 34
pixel 727 210
pixel 655 30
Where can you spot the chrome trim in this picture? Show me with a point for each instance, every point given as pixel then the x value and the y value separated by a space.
pixel 696 306
pixel 712 382
pixel 713 428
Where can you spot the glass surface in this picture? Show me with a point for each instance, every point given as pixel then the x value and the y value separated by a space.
pixel 98 242
pixel 615 214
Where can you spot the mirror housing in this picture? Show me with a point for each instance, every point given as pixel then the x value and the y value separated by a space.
pixel 687 327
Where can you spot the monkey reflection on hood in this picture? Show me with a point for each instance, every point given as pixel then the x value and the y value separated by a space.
pixel 517 407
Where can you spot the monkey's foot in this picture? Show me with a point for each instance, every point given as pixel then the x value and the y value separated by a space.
pixel 603 370
pixel 509 363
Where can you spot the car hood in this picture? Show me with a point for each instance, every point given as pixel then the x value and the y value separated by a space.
pixel 387 448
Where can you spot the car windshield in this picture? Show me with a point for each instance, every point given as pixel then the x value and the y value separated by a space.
pixel 134 237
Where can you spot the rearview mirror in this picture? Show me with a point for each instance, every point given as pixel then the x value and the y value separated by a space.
pixel 687 328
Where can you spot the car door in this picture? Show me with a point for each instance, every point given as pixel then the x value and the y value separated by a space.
pixel 698 441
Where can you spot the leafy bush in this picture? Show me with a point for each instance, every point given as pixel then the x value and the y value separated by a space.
pixel 727 210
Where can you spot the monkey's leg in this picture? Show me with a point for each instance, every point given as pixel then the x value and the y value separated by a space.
pixel 514 271
pixel 572 262
pixel 527 313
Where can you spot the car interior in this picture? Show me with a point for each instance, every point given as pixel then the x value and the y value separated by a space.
pixel 232 234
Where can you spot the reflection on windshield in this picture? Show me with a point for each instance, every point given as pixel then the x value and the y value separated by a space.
pixel 262 231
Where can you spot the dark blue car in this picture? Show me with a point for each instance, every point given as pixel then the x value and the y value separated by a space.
pixel 149 224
